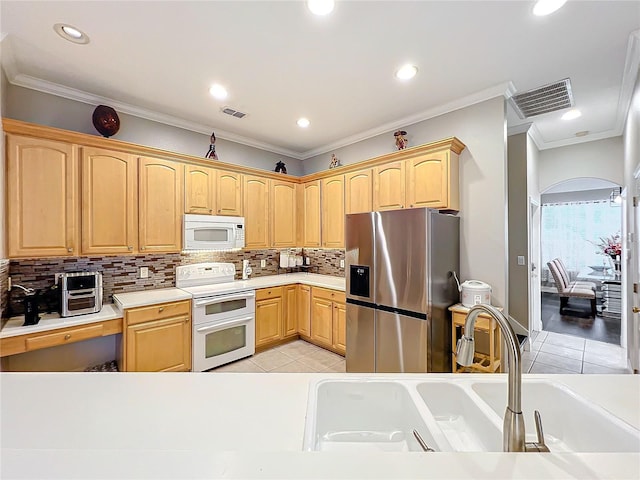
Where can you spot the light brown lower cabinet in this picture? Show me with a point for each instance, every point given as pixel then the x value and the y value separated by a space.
pixel 328 319
pixel 304 310
pixel 268 316
pixel 316 314
pixel 340 327
pixel 157 338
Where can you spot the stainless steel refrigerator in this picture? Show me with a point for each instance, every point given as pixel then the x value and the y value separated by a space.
pixel 400 283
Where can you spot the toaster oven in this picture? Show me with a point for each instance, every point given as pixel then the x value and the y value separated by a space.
pixel 80 293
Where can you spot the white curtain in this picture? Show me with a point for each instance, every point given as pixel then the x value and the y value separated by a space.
pixel 572 230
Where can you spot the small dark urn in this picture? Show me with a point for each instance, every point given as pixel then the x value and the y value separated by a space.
pixel 106 120
pixel 281 167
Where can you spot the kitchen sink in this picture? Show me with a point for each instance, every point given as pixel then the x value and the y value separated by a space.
pixel 466 427
pixel 570 423
pixel 366 415
pixel 461 414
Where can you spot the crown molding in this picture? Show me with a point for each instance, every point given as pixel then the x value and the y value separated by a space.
pixel 63 91
pixel 517 129
pixel 505 89
pixel 629 77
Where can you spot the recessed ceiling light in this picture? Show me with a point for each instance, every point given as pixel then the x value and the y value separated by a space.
pixel 303 122
pixel 406 72
pixel 320 7
pixel 572 114
pixel 547 7
pixel 71 33
pixel 218 91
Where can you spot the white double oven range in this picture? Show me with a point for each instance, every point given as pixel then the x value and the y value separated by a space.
pixel 223 314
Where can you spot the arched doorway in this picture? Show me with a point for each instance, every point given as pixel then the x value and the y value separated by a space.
pixel 581 223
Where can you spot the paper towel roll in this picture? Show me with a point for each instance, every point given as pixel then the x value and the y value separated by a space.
pixel 284 260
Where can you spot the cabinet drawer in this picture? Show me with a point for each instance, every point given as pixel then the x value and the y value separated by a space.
pixel 61 338
pixel 333 295
pixel 272 292
pixel 157 312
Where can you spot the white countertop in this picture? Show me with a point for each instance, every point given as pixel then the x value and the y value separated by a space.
pixel 52 321
pixel 149 297
pixel 237 425
pixel 313 279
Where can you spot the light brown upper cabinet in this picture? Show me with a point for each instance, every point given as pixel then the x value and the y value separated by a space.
pixel 42 197
pixel 160 205
pixel 109 182
pixel 358 187
pixel 283 214
pixel 199 185
pixel 311 214
pixel 433 181
pixel 389 186
pixel 256 212
pixel 229 193
pixel 333 212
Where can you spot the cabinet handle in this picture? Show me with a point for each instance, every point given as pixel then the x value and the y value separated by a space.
pixel 186 320
pixel 411 206
pixel 141 248
pixel 161 309
pixel 210 210
pixel 219 210
pixel 401 206
pixel 129 247
pixel 67 336
pixel 69 249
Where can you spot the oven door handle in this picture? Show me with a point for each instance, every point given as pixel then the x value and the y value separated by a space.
pixel 223 325
pixel 227 298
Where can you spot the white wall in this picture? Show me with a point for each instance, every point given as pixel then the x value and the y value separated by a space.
pixel 597 159
pixel 45 109
pixel 483 183
pixel 630 272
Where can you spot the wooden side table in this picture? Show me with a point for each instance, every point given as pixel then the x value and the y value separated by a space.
pixel 483 362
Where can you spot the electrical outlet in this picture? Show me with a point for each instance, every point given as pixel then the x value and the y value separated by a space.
pixel 520 259
pixel 144 272
pixel 308 260
pixel 263 263
pixel 9 286
pixel 341 263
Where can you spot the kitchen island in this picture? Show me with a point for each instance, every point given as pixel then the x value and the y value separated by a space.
pixel 230 425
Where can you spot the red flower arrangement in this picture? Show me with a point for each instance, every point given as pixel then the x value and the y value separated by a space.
pixel 611 246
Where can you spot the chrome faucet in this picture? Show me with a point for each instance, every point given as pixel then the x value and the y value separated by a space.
pixel 513 434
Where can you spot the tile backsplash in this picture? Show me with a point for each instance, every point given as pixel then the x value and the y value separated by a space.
pixel 121 274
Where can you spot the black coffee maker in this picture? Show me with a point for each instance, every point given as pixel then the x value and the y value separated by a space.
pixel 30 303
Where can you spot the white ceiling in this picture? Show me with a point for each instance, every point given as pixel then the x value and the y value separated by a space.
pixel 279 62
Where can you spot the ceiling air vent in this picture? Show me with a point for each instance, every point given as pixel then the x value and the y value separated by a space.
pixel 233 113
pixel 548 98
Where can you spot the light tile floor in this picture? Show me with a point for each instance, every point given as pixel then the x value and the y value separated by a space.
pixel 547 353
pixel 551 352
pixel 297 356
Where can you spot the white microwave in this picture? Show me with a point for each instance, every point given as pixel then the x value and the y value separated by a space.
pixel 212 232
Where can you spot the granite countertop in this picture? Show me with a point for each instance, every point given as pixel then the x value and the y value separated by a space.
pixel 244 425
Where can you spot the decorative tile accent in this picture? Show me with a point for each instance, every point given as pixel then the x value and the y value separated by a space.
pixel 4 280
pixel 327 261
pixel 120 273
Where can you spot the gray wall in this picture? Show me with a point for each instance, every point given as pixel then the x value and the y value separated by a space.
pixel 4 84
pixel 597 159
pixel 483 183
pixel 518 232
pixel 45 109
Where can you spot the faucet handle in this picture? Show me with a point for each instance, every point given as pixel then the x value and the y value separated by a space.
pixel 538 446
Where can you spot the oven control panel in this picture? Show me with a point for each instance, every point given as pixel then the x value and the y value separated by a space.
pixel 204 274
